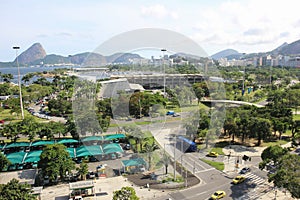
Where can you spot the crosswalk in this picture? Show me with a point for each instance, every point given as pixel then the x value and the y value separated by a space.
pixel 255 179
pixel 260 185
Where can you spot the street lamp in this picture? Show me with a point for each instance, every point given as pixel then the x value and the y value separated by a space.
pixel 174 158
pixel 163 52
pixel 19 79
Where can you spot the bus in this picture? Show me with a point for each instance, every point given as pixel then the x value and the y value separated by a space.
pixel 185 145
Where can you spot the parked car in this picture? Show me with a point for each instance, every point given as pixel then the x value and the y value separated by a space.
pixel 245 170
pixel 92 159
pixel 91 175
pixel 170 112
pixel 176 115
pixel 212 154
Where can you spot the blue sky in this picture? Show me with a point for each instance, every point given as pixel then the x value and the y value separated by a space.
pixel 67 27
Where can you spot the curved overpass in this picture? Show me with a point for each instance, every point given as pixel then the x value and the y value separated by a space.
pixel 232 102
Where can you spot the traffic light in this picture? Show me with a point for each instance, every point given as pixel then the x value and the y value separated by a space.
pixel 245 158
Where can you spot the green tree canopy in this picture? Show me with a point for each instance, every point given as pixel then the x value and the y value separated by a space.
pixel 271 155
pixel 126 193
pixel 55 162
pixel 287 174
pixel 14 190
pixel 4 162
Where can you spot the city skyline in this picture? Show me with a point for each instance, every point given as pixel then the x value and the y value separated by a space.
pixel 70 27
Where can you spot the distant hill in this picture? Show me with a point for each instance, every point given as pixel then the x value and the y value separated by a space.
pixel 289 49
pixel 36 55
pixel 227 53
pixel 121 57
pixel 33 53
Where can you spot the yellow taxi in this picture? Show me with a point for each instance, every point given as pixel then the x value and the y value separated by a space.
pixel 238 179
pixel 212 154
pixel 218 195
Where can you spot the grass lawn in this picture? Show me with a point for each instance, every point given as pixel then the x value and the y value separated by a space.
pixel 296 117
pixel 219 150
pixel 278 142
pixel 217 165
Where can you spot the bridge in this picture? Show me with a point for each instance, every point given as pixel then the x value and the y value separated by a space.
pixel 231 102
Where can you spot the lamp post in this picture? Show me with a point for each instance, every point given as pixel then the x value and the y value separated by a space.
pixel 163 52
pixel 19 80
pixel 174 159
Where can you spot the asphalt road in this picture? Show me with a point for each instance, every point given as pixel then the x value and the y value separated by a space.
pixel 211 179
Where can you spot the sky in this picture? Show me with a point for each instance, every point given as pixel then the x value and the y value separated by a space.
pixel 68 27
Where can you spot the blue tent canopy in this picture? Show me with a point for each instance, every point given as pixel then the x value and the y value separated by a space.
pixel 134 162
pixel 65 141
pixel 112 148
pixel 17 144
pixel 114 136
pixel 33 156
pixel 92 138
pixel 84 151
pixel 16 158
pixel 42 143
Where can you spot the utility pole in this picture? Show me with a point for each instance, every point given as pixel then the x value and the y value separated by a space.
pixel 164 72
pixel 19 80
pixel 174 159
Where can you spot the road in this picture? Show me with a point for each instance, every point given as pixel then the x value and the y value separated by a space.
pixel 211 179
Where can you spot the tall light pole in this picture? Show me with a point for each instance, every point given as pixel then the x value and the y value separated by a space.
pixel 19 79
pixel 243 90
pixel 163 52
pixel 175 158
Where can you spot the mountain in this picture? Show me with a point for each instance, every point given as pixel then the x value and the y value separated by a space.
pixel 33 53
pixel 227 53
pixel 289 49
pixel 278 49
pixel 122 57
pixel 36 55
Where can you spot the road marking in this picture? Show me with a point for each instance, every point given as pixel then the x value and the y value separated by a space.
pixel 205 170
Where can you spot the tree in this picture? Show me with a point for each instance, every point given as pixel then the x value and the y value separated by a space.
pixel 260 128
pixel 137 134
pixel 126 193
pixel 83 169
pixel 29 127
pixel 55 162
pixel 149 148
pixel 4 162
pixel 7 77
pixel 271 155
pixel 16 191
pixel 11 131
pixel 287 174
pixel 26 78
pixel 70 127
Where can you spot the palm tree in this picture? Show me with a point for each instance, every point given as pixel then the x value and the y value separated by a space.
pixel 83 170
pixel 137 134
pixel 149 147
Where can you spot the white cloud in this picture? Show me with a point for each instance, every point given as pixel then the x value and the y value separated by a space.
pixel 158 11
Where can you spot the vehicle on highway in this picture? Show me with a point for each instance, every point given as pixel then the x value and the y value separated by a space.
pixel 238 179
pixel 185 144
pixel 245 170
pixel 212 154
pixel 218 194
pixel 175 115
pixel 170 112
